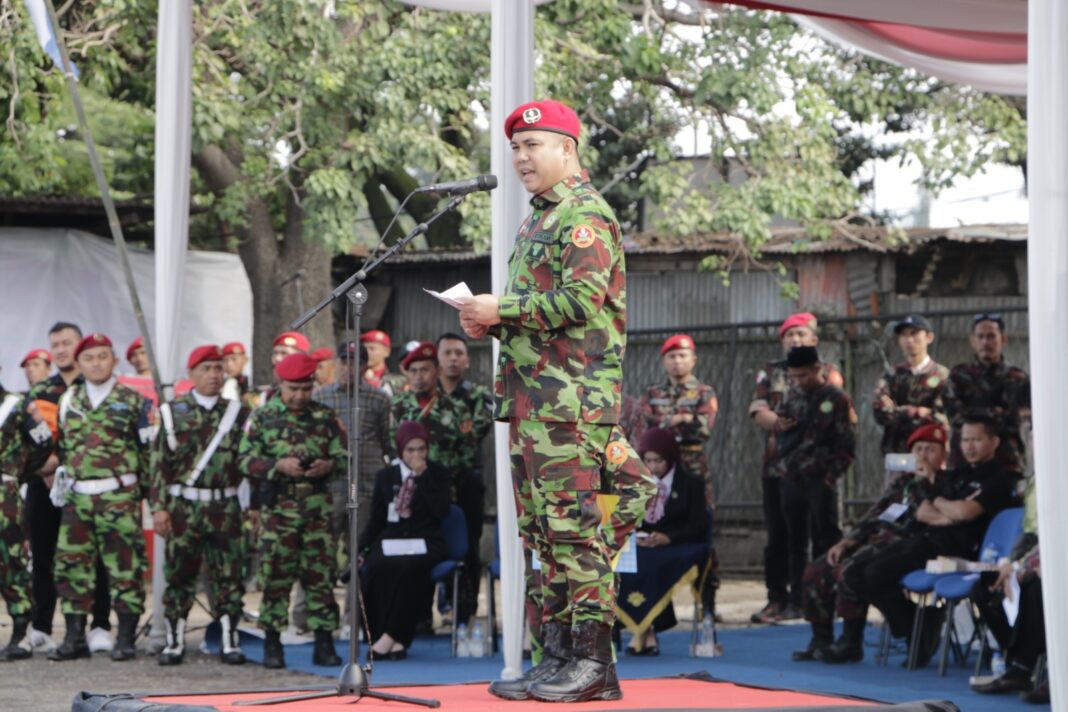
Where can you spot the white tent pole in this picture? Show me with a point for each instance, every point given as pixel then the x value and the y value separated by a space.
pixel 511 84
pixel 1047 263
pixel 174 128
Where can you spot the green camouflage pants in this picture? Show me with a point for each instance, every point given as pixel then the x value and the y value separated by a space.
pixel 205 532
pixel 297 544
pixel 558 469
pixel 105 526
pixel 14 564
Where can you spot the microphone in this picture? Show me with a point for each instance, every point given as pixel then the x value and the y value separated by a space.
pixel 461 187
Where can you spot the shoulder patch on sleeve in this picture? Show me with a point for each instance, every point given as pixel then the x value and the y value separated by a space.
pixel 582 236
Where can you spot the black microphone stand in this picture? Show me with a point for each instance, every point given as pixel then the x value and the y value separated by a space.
pixel 354 681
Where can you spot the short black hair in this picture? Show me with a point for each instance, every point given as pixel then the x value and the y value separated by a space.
pixel 63 326
pixel 451 336
pixel 989 316
pixel 979 418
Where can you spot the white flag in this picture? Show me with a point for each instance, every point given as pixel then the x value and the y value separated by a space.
pixel 47 38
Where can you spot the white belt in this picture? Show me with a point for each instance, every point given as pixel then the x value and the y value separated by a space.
pixel 108 484
pixel 8 479
pixel 201 494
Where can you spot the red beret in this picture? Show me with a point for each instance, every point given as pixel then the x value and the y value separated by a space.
pixel 233 348
pixel 375 336
pixel 547 115
pixel 296 368
pixel 931 433
pixel 293 338
pixel 409 430
pixel 323 354
pixel 91 341
pixel 36 353
pixel 134 345
pixel 802 319
pixel 678 341
pixel 200 354
pixel 425 351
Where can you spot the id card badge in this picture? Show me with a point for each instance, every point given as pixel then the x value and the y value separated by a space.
pixel 391 513
pixel 893 512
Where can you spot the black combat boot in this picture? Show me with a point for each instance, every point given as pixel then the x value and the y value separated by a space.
pixel 14 651
pixel 556 651
pixel 175 650
pixel 591 672
pixel 230 648
pixel 822 638
pixel 849 648
pixel 74 644
pixel 324 653
pixel 124 643
pixel 274 658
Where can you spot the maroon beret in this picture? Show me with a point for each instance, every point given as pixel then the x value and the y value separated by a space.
pixel 425 351
pixel 200 354
pixel 233 348
pixel 804 319
pixel 375 336
pixel 678 341
pixel 547 115
pixel 91 341
pixel 323 354
pixel 36 353
pixel 930 433
pixel 292 338
pixel 296 368
pixel 134 345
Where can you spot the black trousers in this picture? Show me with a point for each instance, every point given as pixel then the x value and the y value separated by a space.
pixel 879 581
pixel 394 588
pixel 471 498
pixel 776 555
pixel 42 522
pixel 810 510
pixel 1024 641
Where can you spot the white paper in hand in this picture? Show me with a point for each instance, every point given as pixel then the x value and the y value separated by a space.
pixel 403 547
pixel 450 295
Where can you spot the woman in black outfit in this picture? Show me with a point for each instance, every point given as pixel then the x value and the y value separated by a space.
pixel 410 501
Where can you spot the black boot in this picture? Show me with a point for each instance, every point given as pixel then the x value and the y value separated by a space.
pixel 822 637
pixel 591 672
pixel 230 649
pixel 274 657
pixel 74 644
pixel 850 647
pixel 124 643
pixel 324 653
pixel 175 650
pixel 556 651
pixel 14 651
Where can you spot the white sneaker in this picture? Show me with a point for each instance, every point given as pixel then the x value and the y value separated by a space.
pixel 41 642
pixel 100 641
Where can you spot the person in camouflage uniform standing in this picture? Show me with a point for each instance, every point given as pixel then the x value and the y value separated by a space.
pixel 909 395
pixel 990 386
pixel 827 579
pixel 104 432
pixel 562 330
pixel 14 564
pixel 377 373
pixel 195 506
pixel 290 448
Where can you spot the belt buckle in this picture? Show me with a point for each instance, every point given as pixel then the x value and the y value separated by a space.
pixel 303 489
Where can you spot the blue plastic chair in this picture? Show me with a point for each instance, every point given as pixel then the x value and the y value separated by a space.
pixel 454 527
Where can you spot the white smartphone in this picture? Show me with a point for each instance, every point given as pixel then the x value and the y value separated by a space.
pixel 900 462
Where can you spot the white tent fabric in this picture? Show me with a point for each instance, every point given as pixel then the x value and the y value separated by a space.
pixel 50 275
pixel 973 15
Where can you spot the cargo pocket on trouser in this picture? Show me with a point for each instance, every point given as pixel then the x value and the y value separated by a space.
pixel 568 494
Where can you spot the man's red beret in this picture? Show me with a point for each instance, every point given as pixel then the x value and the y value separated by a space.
pixel 234 348
pixel 323 354
pixel 425 351
pixel 91 341
pixel 678 341
pixel 134 345
pixel 547 115
pixel 293 338
pixel 200 354
pixel 296 368
pixel 930 433
pixel 804 319
pixel 36 353
pixel 375 336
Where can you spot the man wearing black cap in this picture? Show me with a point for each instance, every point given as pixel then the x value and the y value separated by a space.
pixel 909 395
pixel 816 437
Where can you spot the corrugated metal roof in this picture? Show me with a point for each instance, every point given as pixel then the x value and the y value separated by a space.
pixel 62 202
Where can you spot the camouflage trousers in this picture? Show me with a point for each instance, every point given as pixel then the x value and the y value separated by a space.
pixel 558 469
pixel 106 527
pixel 205 532
pixel 297 544
pixel 825 588
pixel 14 563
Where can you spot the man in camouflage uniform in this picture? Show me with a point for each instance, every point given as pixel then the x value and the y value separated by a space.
pixel 376 373
pixel 14 564
pixel 562 330
pixel 910 394
pixel 827 579
pixel 235 358
pixel 104 433
pixel 989 386
pixel 291 447
pixel 37 364
pixel 773 392
pixel 195 506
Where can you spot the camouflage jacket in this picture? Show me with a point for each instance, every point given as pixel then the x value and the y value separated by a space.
pixel 905 489
pixel 773 392
pixel 12 452
pixel 389 383
pixel 107 441
pixel 452 425
pixel 999 390
pixel 660 403
pixel 479 403
pixel 39 437
pixel 822 442
pixel 563 315
pixel 195 427
pixel 908 390
pixel 274 432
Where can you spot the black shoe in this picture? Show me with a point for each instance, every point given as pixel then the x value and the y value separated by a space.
pixel 396 654
pixel 124 642
pixel 274 657
pixel 229 648
pixel 74 644
pixel 770 613
pixel 590 674
pixel 556 651
pixel 14 651
pixel 1037 696
pixel 175 650
pixel 822 636
pixel 849 648
pixel 324 653
pixel 1014 679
